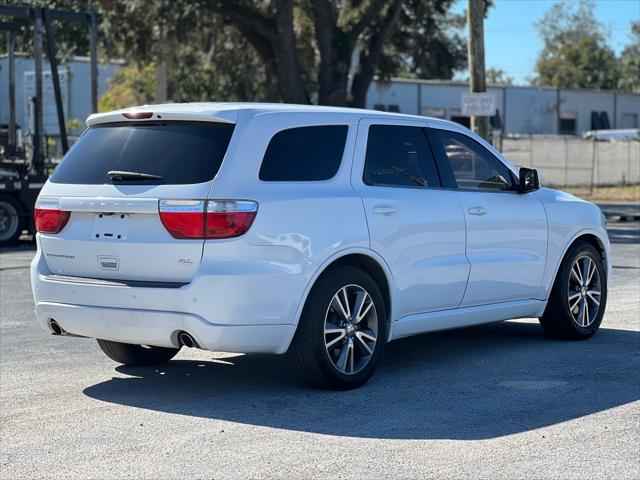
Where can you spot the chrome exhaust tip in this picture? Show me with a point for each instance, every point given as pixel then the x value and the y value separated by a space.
pixel 186 340
pixel 55 327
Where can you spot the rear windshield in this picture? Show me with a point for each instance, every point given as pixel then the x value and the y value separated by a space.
pixel 178 152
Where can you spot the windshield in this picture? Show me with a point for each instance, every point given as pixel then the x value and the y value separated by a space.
pixel 172 152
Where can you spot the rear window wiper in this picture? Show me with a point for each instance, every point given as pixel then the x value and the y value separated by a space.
pixel 124 176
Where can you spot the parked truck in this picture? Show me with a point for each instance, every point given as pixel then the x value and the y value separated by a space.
pixel 24 160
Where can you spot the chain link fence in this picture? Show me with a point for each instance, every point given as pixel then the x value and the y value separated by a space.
pixel 576 162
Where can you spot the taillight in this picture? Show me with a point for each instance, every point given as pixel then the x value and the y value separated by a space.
pixel 229 218
pixel 197 219
pixel 183 218
pixel 49 218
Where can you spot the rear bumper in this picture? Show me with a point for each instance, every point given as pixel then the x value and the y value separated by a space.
pixel 247 305
pixel 150 327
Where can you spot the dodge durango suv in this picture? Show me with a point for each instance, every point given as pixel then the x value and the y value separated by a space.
pixel 318 231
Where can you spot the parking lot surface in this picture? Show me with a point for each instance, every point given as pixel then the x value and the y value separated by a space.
pixel 496 401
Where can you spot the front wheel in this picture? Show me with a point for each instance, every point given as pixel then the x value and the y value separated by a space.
pixel 342 330
pixel 579 295
pixel 136 355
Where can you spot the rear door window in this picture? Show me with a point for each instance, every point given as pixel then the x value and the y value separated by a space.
pixel 304 154
pixel 399 156
pixel 178 152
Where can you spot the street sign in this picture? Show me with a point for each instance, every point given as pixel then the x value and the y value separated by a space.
pixel 478 104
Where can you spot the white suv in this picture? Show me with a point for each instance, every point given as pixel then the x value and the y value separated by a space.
pixel 324 232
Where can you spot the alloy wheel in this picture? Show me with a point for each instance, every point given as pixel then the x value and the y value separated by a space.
pixel 585 291
pixel 351 329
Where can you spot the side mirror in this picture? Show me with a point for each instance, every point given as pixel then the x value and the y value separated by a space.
pixel 529 181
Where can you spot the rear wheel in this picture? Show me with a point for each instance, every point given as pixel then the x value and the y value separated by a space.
pixel 11 222
pixel 136 355
pixel 342 330
pixel 579 295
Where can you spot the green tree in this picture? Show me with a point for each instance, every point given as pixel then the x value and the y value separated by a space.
pixel 498 77
pixel 354 41
pixel 575 52
pixel 428 42
pixel 630 62
pixel 71 38
pixel 133 85
pixel 341 29
pixel 206 58
pixel 299 51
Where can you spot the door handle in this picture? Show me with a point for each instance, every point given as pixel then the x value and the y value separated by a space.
pixel 384 210
pixel 478 211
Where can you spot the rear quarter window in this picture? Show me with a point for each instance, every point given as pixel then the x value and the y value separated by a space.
pixel 178 152
pixel 304 154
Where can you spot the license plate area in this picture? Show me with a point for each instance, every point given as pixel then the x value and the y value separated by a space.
pixel 110 226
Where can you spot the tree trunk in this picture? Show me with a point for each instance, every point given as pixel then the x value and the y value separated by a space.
pixel 370 56
pixel 335 47
pixel 273 36
pixel 274 40
pixel 334 72
pixel 286 56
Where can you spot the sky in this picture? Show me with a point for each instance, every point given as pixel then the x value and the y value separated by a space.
pixel 511 38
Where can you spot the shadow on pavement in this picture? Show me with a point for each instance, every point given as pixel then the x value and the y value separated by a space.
pixel 21 246
pixel 474 383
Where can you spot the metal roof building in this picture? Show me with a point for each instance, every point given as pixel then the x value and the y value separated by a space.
pixel 521 110
pixel 75 85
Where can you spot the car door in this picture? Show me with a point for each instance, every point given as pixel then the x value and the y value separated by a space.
pixel 414 224
pixel 506 230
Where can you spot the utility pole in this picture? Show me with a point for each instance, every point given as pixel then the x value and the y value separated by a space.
pixel 475 52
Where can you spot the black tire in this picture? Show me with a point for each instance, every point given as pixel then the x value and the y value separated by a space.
pixel 136 355
pixel 11 219
pixel 558 320
pixel 309 350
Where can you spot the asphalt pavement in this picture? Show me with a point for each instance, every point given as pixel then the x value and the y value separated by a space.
pixel 495 401
pixel 616 212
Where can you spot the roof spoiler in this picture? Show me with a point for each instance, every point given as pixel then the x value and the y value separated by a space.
pixel 143 114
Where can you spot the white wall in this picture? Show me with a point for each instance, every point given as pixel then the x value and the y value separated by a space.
pixel 525 110
pixel 584 102
pixel 79 88
pixel 628 104
pixel 531 110
pixel 405 95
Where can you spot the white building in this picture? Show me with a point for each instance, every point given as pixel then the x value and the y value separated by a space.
pixel 75 86
pixel 523 110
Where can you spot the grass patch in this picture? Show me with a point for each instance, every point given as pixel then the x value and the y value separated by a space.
pixel 622 193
